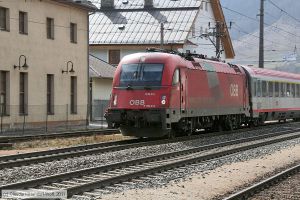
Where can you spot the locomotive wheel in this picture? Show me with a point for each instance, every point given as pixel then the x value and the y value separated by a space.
pixel 172 134
pixel 227 124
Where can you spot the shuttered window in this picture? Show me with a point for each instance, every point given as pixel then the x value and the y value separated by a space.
pixel 73 95
pixel 23 22
pixel 114 57
pixel 23 107
pixel 50 94
pixel 73 32
pixel 50 28
pixel 4 19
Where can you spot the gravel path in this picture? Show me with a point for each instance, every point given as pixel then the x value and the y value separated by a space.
pixel 287 189
pixel 45 169
pixel 211 179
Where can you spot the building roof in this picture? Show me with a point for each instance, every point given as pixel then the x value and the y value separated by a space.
pixel 131 23
pixel 83 4
pixel 100 69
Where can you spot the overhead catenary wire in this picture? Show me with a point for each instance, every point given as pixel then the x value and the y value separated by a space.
pixel 283 11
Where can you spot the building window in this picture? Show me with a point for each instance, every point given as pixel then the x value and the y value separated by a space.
pixel 50 28
pixel 201 5
pixel 4 19
pixel 206 6
pixel 23 22
pixel 114 57
pixel 23 109
pixel 73 32
pixel 73 94
pixel 50 94
pixel 4 88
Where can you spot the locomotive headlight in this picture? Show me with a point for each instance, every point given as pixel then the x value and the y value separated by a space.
pixel 163 100
pixel 115 101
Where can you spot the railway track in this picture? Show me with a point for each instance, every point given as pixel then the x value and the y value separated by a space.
pixel 85 181
pixel 13 139
pixel 284 185
pixel 77 151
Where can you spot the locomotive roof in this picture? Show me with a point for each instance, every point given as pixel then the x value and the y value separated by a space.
pixel 259 72
pixel 196 63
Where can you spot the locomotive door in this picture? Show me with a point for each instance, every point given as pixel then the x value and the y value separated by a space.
pixel 176 91
pixel 183 86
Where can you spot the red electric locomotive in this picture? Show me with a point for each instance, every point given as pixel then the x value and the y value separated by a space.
pixel 156 94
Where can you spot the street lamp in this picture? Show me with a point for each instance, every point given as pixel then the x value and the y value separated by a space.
pixel 25 66
pixel 67 71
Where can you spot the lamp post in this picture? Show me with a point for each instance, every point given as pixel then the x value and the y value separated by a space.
pixel 71 70
pixel 25 66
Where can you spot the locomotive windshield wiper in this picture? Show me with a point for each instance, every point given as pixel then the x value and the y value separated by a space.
pixel 129 87
pixel 147 87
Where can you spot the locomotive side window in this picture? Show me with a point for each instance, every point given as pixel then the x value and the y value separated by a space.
pixel 176 76
pixel 264 88
pixel 270 89
pixel 258 91
pixel 276 89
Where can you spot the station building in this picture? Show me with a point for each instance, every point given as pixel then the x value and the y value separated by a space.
pixel 44 61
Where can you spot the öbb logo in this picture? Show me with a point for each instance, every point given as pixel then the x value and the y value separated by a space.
pixel 137 102
pixel 234 90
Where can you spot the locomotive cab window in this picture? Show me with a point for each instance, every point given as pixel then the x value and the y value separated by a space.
pixel 175 79
pixel 145 74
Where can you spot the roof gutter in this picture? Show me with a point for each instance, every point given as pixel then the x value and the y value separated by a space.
pixel 82 4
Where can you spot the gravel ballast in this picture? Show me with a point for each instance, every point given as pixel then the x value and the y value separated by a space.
pixel 45 169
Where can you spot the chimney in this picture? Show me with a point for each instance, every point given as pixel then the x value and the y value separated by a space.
pixel 148 3
pixel 107 3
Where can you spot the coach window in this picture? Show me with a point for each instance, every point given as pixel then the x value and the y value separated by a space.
pixel 293 94
pixel 258 89
pixel 276 89
pixel 254 89
pixel 282 89
pixel 264 88
pixel 298 90
pixel 288 90
pixel 175 80
pixel 271 89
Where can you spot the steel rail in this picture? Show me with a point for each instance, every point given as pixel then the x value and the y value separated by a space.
pixel 70 152
pixel 250 191
pixel 102 183
pixel 7 139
